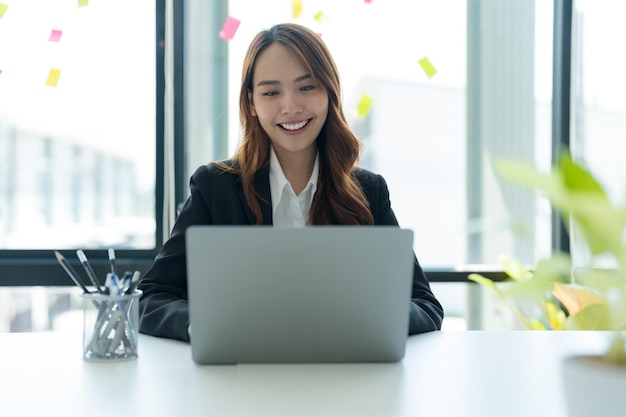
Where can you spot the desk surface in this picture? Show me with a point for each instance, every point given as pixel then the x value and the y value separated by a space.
pixel 453 373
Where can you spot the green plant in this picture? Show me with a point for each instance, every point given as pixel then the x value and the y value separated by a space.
pixel 563 296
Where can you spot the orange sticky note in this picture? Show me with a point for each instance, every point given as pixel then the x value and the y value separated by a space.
pixel 297 8
pixel 321 17
pixel 229 29
pixel 3 9
pixel 427 67
pixel 55 35
pixel 53 77
pixel 363 108
pixel 82 3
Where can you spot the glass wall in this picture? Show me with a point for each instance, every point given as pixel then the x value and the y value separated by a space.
pixel 453 84
pixel 598 123
pixel 77 124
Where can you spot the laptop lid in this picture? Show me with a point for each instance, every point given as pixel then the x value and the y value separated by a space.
pixel 316 294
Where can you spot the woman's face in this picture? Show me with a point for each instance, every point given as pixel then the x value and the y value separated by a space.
pixel 290 105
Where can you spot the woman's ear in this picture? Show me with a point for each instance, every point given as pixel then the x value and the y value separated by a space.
pixel 252 109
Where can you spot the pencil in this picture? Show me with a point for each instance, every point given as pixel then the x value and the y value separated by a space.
pixel 90 273
pixel 70 271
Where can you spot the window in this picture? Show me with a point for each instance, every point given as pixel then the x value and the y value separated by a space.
pixel 81 115
pixel 433 136
pixel 598 122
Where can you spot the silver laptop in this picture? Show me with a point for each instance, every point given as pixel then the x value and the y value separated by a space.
pixel 317 294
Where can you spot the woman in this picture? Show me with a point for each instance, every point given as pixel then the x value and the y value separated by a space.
pixel 296 166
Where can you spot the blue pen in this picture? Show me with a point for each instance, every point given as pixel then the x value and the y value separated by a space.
pixel 115 285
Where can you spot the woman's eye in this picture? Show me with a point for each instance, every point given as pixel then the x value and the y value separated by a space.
pixel 270 93
pixel 307 88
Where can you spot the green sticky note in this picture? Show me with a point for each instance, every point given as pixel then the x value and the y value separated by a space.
pixel 53 77
pixel 82 3
pixel 363 108
pixel 427 67
pixel 3 9
pixel 321 17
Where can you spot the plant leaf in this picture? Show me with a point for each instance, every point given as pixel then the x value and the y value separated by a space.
pixel 592 317
pixel 576 299
pixel 514 269
pixel 556 316
pixel 485 282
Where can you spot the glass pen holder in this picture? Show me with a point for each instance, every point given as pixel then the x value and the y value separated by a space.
pixel 110 326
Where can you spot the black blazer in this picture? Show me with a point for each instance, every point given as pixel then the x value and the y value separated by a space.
pixel 217 198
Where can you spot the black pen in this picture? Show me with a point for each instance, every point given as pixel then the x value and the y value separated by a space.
pixel 70 271
pixel 134 282
pixel 112 260
pixel 90 272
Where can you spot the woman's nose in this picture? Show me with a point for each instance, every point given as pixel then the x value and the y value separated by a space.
pixel 290 104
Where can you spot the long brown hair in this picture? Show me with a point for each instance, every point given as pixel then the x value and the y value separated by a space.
pixel 339 199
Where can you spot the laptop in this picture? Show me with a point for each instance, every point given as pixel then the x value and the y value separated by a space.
pixel 323 294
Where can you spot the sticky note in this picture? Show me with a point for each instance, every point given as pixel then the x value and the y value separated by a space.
pixel 363 108
pixel 55 35
pixel 53 77
pixel 229 28
pixel 427 67
pixel 3 9
pixel 321 17
pixel 82 3
pixel 297 8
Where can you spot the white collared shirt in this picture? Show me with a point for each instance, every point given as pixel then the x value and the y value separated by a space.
pixel 289 209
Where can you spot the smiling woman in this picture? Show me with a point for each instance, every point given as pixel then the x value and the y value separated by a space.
pixel 295 178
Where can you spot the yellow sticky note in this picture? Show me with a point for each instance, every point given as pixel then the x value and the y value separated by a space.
pixel 3 8
pixel 297 8
pixel 363 108
pixel 320 17
pixel 53 77
pixel 427 67
pixel 82 3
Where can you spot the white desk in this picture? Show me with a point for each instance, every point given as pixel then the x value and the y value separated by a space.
pixel 450 373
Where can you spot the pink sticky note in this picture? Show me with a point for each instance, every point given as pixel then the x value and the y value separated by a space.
pixel 229 28
pixel 55 35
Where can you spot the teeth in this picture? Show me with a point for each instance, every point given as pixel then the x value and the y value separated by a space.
pixel 294 126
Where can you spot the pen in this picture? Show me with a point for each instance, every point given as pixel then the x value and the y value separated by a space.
pixel 134 282
pixel 112 260
pixel 90 273
pixel 112 284
pixel 70 271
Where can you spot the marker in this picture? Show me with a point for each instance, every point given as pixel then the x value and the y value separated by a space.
pixel 70 271
pixel 112 260
pixel 90 273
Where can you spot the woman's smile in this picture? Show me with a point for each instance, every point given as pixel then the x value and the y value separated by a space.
pixel 295 127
